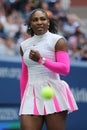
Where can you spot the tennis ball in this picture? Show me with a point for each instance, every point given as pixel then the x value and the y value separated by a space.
pixel 47 92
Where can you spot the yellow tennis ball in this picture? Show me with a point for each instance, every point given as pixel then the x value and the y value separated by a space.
pixel 47 92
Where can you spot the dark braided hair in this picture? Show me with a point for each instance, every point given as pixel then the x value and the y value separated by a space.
pixel 53 27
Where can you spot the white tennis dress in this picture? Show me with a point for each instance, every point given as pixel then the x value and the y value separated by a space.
pixel 39 76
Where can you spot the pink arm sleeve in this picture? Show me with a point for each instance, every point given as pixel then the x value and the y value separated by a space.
pixel 62 64
pixel 23 78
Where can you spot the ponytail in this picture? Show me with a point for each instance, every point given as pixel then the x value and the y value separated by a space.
pixel 53 28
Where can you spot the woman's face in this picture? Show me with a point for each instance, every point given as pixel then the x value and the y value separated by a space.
pixel 39 23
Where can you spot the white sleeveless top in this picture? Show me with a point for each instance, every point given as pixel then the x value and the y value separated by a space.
pixel 45 44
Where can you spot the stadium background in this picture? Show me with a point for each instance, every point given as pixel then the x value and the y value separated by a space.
pixel 10 69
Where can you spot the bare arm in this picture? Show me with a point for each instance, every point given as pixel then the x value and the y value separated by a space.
pixel 61 45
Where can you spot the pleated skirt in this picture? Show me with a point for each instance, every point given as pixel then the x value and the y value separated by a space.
pixel 34 104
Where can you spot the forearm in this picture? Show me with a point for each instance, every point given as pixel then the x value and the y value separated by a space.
pixel 62 64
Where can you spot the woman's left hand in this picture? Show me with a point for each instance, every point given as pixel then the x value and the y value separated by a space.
pixel 34 55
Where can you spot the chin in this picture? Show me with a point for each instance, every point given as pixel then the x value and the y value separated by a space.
pixel 41 32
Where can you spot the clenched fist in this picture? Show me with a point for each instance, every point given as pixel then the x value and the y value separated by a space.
pixel 34 55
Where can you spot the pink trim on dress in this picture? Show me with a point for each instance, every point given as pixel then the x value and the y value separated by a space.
pixel 23 99
pixel 35 106
pixel 23 78
pixel 45 111
pixel 69 99
pixel 57 107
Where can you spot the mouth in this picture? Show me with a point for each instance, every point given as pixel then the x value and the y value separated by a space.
pixel 40 28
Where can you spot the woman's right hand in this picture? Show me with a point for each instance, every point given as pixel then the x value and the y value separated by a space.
pixel 34 55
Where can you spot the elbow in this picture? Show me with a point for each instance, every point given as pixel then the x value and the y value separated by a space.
pixel 66 73
pixel 66 70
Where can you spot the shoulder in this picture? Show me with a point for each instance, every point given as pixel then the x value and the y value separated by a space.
pixel 61 45
pixel 54 38
pixel 26 43
pixel 54 35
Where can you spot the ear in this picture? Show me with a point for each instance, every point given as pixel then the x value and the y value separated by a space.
pixel 48 24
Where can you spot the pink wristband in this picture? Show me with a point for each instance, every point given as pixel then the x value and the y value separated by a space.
pixel 42 60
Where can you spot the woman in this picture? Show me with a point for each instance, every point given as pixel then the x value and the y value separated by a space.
pixel 44 57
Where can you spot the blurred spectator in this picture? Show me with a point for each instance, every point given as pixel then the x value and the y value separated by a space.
pixel 32 3
pixel 56 9
pixel 76 21
pixel 44 5
pixel 78 38
pixel 18 33
pixel 75 44
pixel 68 27
pixel 10 44
pixel 2 14
pixel 3 34
pixel 77 25
pixel 8 9
pixel 51 3
pixel 65 5
pixel 84 52
pixel 2 47
pixel 16 4
pixel 26 11
pixel 7 47
pixel 74 51
pixel 62 19
pixel 10 26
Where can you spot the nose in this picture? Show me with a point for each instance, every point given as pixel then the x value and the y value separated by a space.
pixel 39 21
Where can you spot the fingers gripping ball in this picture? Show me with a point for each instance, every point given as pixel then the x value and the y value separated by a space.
pixel 47 92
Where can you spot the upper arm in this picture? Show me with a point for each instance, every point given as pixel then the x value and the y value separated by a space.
pixel 21 52
pixel 61 45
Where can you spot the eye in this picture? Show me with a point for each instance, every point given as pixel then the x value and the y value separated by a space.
pixel 35 20
pixel 43 18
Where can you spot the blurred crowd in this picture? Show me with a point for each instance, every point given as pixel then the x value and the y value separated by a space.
pixel 13 28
